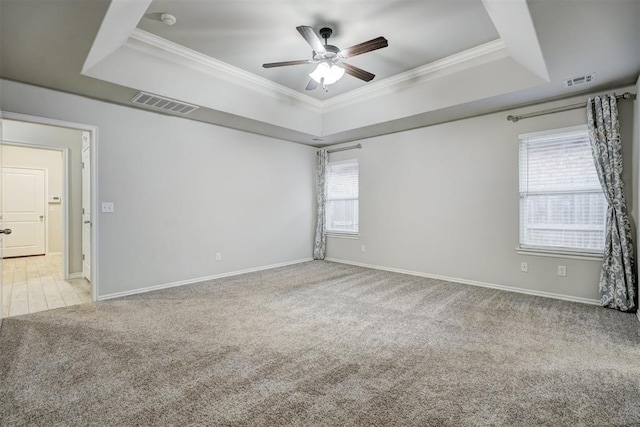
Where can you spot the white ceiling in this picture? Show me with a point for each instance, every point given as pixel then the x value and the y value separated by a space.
pixel 247 34
pixel 446 60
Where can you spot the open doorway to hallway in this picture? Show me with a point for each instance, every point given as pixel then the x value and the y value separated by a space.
pixel 42 192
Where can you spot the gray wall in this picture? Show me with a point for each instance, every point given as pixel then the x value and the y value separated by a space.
pixel 443 201
pixel 51 136
pixel 184 190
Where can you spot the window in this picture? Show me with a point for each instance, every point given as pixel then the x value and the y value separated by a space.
pixel 342 197
pixel 562 206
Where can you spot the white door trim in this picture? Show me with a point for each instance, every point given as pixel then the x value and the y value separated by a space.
pixel 93 132
pixel 86 234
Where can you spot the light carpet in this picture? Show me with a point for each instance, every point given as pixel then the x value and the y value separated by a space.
pixel 321 343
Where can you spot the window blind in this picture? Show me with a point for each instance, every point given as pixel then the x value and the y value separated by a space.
pixel 562 206
pixel 342 197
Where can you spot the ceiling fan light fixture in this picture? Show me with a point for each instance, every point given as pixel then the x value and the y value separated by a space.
pixel 327 74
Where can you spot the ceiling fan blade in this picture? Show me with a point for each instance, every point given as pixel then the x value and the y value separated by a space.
pixel 312 85
pixel 358 73
pixel 365 47
pixel 285 63
pixel 311 37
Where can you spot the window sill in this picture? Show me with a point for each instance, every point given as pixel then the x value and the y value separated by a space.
pixel 559 254
pixel 353 236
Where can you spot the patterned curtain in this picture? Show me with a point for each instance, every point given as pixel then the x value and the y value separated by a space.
pixel 618 286
pixel 320 243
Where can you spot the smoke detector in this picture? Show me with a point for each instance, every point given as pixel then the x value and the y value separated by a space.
pixel 168 18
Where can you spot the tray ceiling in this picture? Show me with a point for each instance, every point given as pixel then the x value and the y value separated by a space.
pixel 247 34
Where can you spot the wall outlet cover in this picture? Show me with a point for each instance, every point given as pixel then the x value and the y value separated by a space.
pixel 107 207
pixel 562 270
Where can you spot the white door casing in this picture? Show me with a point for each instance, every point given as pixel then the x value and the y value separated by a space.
pixel 2 230
pixel 23 204
pixel 86 206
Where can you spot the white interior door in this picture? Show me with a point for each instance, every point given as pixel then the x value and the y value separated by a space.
pixel 23 203
pixel 86 207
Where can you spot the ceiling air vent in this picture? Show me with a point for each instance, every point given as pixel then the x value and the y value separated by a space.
pixel 162 103
pixel 580 80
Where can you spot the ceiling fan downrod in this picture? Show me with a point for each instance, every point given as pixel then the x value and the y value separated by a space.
pixel 325 33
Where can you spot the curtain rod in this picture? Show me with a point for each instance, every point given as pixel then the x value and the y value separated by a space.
pixel 353 147
pixel 626 95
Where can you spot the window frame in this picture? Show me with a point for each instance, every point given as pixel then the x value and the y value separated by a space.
pixel 342 233
pixel 550 251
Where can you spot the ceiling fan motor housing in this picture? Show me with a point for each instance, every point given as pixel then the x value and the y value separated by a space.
pixel 330 53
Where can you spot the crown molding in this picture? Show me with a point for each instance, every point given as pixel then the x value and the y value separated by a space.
pixel 150 43
pixel 416 75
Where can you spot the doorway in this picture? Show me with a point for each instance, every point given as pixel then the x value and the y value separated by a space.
pixel 36 281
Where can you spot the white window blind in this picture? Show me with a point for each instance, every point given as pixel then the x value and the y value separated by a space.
pixel 562 206
pixel 342 197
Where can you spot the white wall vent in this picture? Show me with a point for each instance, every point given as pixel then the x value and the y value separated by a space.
pixel 162 103
pixel 580 80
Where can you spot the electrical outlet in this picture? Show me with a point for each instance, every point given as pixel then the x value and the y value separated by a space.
pixel 107 207
pixel 364 248
pixel 524 267
pixel 218 256
pixel 562 270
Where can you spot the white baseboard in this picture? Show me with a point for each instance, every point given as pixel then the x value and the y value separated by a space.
pixel 75 276
pixel 473 283
pixel 199 279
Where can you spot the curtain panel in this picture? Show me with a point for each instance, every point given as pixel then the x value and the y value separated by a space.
pixel 320 241
pixel 618 285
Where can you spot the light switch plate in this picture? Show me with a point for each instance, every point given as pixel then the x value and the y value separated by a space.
pixel 107 207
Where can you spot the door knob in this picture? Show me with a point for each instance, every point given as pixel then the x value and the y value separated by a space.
pixel 5 231
pixel 87 222
pixel 41 216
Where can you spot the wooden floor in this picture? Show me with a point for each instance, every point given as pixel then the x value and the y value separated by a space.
pixel 32 284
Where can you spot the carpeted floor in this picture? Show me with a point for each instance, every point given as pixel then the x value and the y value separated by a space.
pixel 322 344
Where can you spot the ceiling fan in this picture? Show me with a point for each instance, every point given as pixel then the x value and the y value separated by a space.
pixel 330 59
